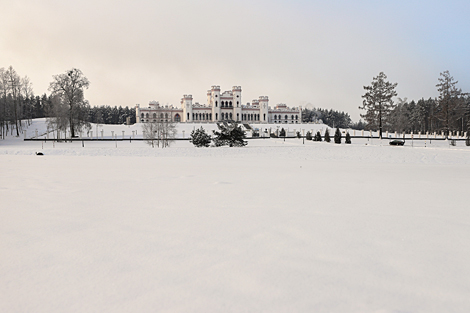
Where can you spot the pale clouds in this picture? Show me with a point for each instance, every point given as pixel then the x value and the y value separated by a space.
pixel 295 52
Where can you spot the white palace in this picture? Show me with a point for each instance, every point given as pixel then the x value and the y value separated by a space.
pixel 220 107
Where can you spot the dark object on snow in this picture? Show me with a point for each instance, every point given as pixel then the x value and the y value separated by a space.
pixel 39 153
pixel 397 142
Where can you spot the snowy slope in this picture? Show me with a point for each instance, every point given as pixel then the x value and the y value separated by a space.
pixel 277 226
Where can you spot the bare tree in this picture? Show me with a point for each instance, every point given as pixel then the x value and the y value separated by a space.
pixel 70 87
pixel 58 119
pixel 14 88
pixel 378 101
pixel 27 93
pixel 159 132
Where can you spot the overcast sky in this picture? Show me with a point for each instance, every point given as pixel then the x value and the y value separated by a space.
pixel 318 53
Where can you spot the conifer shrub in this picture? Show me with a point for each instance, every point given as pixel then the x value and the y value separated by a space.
pixel 318 136
pixel 229 134
pixel 348 138
pixel 308 136
pixel 327 135
pixel 338 136
pixel 282 133
pixel 199 138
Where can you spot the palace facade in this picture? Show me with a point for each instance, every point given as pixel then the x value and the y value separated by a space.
pixel 221 106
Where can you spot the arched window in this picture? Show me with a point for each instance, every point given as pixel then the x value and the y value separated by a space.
pixel 210 116
pixel 292 116
pixel 238 116
pixel 216 116
pixel 177 118
pixel 154 115
pixel 286 117
pixel 147 115
pixel 215 103
pixel 296 117
pixel 222 116
pixel 142 115
pixel 161 115
pixel 188 116
pixel 238 104
pixel 230 115
pixel 275 117
pixel 166 115
pixel 230 103
pixel 264 117
pixel 200 116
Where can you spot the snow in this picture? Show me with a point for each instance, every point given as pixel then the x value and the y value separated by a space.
pixel 277 226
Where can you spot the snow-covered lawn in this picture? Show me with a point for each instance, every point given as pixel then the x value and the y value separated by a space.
pixel 272 227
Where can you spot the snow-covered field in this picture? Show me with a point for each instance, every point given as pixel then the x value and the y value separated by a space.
pixel 277 226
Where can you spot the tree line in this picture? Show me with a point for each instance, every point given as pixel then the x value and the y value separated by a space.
pixel 448 113
pixel 330 117
pixel 65 107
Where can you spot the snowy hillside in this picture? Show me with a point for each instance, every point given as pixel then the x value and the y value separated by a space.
pixel 277 226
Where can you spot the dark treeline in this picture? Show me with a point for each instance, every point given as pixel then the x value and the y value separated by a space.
pixel 18 106
pixel 427 116
pixel 448 113
pixel 330 117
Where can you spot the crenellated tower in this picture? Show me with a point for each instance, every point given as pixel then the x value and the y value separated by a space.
pixel 187 105
pixel 237 103
pixel 263 109
pixel 215 103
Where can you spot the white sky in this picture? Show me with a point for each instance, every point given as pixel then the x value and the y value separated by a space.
pixel 295 52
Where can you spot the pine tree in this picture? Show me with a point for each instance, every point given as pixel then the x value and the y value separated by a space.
pixel 229 134
pixel 378 101
pixel 348 138
pixel 338 136
pixel 308 136
pixel 200 138
pixel 327 136
pixel 318 136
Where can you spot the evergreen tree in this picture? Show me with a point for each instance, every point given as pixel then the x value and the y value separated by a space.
pixel 378 102
pixel 229 134
pixel 282 133
pixel 338 136
pixel 200 138
pixel 348 138
pixel 308 135
pixel 327 135
pixel 318 136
